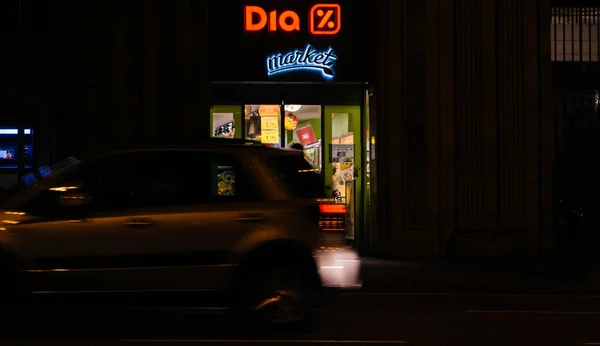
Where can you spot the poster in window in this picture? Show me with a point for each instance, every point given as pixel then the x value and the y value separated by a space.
pixel 269 111
pixel 225 181
pixel 306 135
pixel 223 125
pixel 269 123
pixel 269 137
pixel 342 153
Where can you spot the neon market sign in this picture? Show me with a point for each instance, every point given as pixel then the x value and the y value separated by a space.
pixel 308 59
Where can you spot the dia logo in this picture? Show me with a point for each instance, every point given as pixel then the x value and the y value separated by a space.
pixel 323 19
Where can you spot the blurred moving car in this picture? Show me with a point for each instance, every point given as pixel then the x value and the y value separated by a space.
pixel 246 222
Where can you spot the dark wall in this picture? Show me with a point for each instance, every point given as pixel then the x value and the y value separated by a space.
pixel 27 67
pixel 575 75
pixel 130 69
pixel 465 129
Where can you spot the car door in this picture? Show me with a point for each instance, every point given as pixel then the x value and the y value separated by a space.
pixel 71 240
pixel 128 236
pixel 199 206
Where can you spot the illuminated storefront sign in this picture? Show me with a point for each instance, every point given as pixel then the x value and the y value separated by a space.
pixel 287 21
pixel 308 59
pixel 323 19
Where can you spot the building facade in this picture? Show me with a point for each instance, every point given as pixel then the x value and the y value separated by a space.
pixel 575 49
pixel 441 108
pixel 468 83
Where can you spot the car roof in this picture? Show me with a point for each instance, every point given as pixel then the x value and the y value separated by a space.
pixel 217 144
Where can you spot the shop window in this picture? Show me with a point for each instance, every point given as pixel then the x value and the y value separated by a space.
pixel 225 121
pixel 232 181
pixel 303 130
pixel 262 124
pixel 223 125
pixel 225 180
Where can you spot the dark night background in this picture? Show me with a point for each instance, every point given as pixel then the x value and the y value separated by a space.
pixel 486 150
pixel 463 105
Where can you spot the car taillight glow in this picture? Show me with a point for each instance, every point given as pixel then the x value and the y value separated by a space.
pixel 332 217
pixel 332 208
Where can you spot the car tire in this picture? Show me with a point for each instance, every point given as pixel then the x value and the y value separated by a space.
pixel 276 291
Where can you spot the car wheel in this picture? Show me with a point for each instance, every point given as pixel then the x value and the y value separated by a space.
pixel 285 292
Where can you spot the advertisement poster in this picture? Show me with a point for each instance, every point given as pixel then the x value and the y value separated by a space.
pixel 306 135
pixel 269 123
pixel 223 125
pixel 269 110
pixel 342 153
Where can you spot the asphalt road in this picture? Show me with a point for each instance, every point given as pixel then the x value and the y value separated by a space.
pixel 352 319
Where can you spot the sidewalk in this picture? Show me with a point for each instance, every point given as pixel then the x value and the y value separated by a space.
pixel 385 276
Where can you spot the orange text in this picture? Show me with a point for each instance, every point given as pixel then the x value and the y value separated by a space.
pixel 323 19
pixel 256 19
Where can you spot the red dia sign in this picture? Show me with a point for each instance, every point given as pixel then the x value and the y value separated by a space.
pixel 323 19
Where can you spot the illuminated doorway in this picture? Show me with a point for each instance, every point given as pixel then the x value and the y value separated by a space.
pixel 262 123
pixel 331 137
pixel 343 173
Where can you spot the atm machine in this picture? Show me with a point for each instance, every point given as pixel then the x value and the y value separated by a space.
pixel 9 146
pixel 16 155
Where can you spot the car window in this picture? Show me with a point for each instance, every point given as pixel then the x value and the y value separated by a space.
pixel 149 179
pixel 134 180
pixel 157 179
pixel 103 185
pixel 110 183
pixel 190 177
pixel 43 196
pixel 223 177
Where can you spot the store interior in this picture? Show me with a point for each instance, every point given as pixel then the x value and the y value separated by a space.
pixel 308 126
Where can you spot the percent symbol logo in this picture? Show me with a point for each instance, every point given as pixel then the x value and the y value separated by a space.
pixel 325 19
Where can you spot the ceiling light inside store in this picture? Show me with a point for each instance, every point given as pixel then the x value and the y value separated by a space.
pixel 292 108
